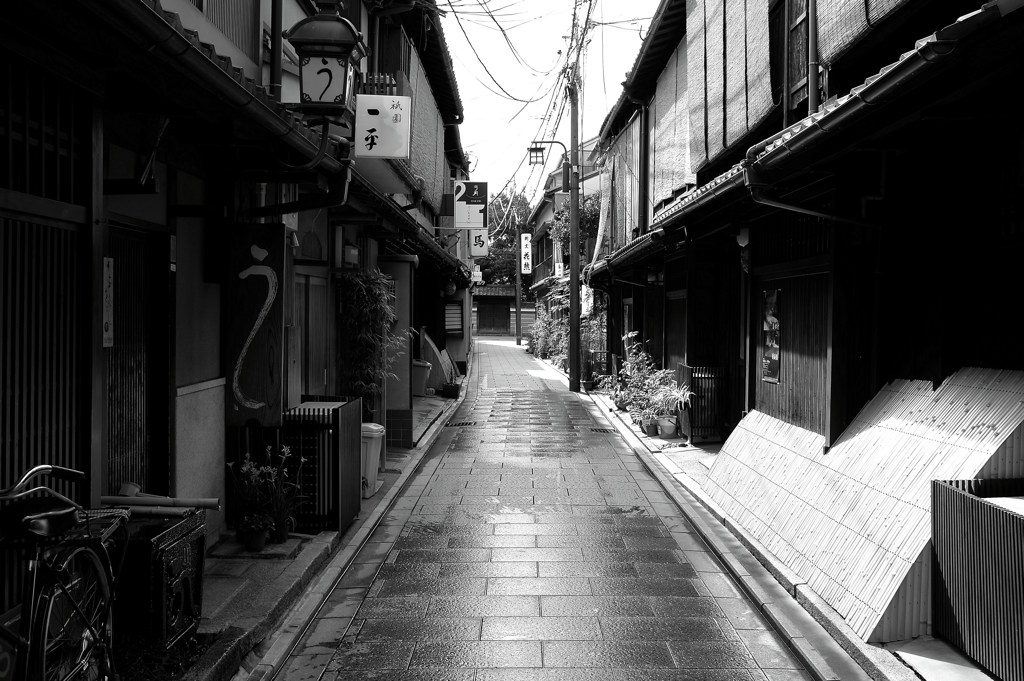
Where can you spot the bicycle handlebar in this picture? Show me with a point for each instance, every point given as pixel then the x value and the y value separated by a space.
pixel 45 469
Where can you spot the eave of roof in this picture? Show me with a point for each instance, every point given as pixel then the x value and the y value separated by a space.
pixel 667 29
pixel 433 51
pixel 807 133
pixel 182 49
pixel 420 241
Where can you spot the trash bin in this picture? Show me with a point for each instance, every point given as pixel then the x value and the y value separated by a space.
pixel 420 372
pixel 372 437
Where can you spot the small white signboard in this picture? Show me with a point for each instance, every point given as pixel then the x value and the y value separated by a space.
pixel 470 205
pixel 526 253
pixel 478 247
pixel 383 124
pixel 559 269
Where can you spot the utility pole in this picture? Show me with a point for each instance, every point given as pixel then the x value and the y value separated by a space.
pixel 519 283
pixel 574 238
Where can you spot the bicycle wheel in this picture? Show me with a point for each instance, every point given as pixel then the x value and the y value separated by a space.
pixel 74 643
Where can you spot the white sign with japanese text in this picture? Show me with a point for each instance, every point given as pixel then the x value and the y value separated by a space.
pixel 470 205
pixel 383 124
pixel 478 247
pixel 526 253
pixel 559 269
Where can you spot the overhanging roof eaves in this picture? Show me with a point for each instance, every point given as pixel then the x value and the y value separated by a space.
pixel 419 240
pixel 805 135
pixel 182 50
pixel 437 60
pixel 667 29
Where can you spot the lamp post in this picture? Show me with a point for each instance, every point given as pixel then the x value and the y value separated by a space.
pixel 570 176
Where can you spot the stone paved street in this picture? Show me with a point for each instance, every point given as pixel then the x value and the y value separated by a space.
pixel 532 545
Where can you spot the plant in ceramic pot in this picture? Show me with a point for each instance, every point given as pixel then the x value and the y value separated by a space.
pixel 641 381
pixel 246 493
pixel 253 530
pixel 675 401
pixel 672 400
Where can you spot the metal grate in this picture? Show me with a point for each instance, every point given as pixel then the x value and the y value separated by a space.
pixel 456 424
pixel 602 430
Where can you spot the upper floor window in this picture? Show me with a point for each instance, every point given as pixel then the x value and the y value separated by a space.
pixel 787 21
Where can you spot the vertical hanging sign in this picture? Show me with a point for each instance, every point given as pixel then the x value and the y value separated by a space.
pixel 526 253
pixel 108 302
pixel 470 205
pixel 770 351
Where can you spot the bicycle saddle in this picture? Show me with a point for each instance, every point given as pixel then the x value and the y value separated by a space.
pixel 40 516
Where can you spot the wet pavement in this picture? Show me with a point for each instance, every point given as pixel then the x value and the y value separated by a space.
pixel 531 544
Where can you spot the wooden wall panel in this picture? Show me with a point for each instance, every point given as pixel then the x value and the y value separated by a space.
pixel 40 333
pixel 799 396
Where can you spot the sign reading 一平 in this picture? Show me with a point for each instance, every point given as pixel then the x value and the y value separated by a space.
pixel 383 124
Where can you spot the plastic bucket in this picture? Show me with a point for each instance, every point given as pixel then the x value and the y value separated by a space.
pixel 372 438
pixel 420 373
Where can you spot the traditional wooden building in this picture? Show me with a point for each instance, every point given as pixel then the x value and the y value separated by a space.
pixel 791 222
pixel 171 231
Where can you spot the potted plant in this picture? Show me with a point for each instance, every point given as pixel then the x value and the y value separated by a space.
pixel 266 488
pixel 587 373
pixel 450 388
pixel 369 343
pixel 253 529
pixel 246 492
pixel 672 400
pixel 281 491
pixel 675 402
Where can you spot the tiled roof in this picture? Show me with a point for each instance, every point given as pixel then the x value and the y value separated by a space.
pixel 809 131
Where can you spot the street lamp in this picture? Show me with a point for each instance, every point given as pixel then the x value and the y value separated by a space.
pixel 573 182
pixel 329 48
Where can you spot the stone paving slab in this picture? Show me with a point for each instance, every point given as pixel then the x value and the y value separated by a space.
pixel 533 543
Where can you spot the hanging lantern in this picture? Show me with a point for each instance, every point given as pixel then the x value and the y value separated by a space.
pixel 329 49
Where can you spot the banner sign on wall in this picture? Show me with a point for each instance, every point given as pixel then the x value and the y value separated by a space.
pixel 470 205
pixel 526 253
pixel 770 354
pixel 478 243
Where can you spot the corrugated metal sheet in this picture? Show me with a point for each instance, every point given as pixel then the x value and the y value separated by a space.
pixel 854 521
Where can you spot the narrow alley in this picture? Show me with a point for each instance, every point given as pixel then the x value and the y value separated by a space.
pixel 532 544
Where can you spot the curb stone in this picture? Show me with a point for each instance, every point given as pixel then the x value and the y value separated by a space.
pixel 876 663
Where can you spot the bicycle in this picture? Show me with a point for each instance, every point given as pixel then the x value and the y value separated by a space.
pixel 72 558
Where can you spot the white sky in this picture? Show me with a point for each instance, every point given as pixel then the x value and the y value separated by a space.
pixel 493 135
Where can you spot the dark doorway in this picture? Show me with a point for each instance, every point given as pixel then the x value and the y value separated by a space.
pixel 138 364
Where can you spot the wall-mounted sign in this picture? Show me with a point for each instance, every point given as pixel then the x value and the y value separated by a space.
pixel 470 205
pixel 108 302
pixel 770 351
pixel 383 124
pixel 526 253
pixel 478 247
pixel 559 269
